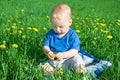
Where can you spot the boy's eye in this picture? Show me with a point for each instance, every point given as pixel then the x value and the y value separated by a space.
pixel 60 26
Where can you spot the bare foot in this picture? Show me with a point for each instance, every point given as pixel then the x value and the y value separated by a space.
pixel 81 69
pixel 47 68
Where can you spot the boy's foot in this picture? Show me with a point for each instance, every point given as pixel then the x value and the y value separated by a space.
pixel 47 68
pixel 81 69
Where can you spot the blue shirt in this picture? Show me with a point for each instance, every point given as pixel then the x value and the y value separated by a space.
pixel 61 44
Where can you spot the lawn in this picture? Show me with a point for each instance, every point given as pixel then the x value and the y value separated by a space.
pixel 24 23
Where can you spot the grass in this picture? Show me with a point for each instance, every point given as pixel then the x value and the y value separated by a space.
pixel 23 24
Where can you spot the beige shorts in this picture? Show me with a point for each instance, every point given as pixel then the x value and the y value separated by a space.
pixel 69 63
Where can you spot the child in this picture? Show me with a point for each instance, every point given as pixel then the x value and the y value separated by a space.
pixel 61 44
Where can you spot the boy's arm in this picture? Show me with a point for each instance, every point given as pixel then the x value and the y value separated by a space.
pixel 68 54
pixel 48 52
pixel 46 49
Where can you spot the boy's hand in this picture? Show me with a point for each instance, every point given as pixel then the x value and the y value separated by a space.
pixel 60 56
pixel 50 55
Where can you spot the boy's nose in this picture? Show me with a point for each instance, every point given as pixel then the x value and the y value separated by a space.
pixel 58 29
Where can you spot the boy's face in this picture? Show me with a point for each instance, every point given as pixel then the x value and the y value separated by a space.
pixel 61 24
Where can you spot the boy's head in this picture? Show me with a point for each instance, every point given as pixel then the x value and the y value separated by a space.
pixel 61 18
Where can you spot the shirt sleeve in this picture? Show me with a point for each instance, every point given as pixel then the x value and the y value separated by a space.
pixel 74 41
pixel 46 40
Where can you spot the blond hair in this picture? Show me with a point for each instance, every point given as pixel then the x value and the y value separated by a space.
pixel 61 10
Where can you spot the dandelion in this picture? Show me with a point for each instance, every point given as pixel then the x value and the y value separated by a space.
pixel 104 31
pixel 4 42
pixel 83 21
pixel 118 20
pixel 118 23
pixel 23 36
pixel 14 23
pixel 113 28
pixel 61 71
pixel 14 26
pixel 22 10
pixel 95 28
pixel 53 55
pixel 2 46
pixel 78 31
pixel 109 37
pixel 97 23
pixel 47 16
pixel 15 45
pixel 22 28
pixel 89 15
pixel 6 29
pixel 8 20
pixel 86 18
pixel 77 18
pixel 95 38
pixel 29 28
pixel 102 24
pixel 35 29
pixel 97 19
pixel 44 29
pixel 20 31
pixel 76 26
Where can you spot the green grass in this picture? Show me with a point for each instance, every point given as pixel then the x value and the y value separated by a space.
pixel 20 20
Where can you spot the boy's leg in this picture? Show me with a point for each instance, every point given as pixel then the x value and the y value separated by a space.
pixel 76 63
pixel 47 67
pixel 80 65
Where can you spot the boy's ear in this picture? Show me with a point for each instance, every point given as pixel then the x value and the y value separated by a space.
pixel 70 21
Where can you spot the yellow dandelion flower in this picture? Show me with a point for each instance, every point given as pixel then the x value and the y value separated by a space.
pixel 29 28
pixel 20 31
pixel 95 38
pixel 109 37
pixel 77 18
pixel 22 10
pixel 102 24
pixel 96 28
pixel 47 16
pixel 118 20
pixel 97 23
pixel 78 31
pixel 89 15
pixel 4 42
pixel 113 28
pixel 76 26
pixel 44 28
pixel 14 26
pixel 23 36
pixel 110 24
pixel 14 23
pixel 104 31
pixel 35 29
pixel 61 71
pixel 86 18
pixel 97 19
pixel 22 28
pixel 53 55
pixel 83 21
pixel 2 46
pixel 118 23
pixel 8 20
pixel 15 45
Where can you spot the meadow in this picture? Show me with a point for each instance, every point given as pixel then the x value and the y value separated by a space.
pixel 24 23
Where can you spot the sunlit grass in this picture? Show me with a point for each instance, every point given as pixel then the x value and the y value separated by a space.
pixel 23 25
